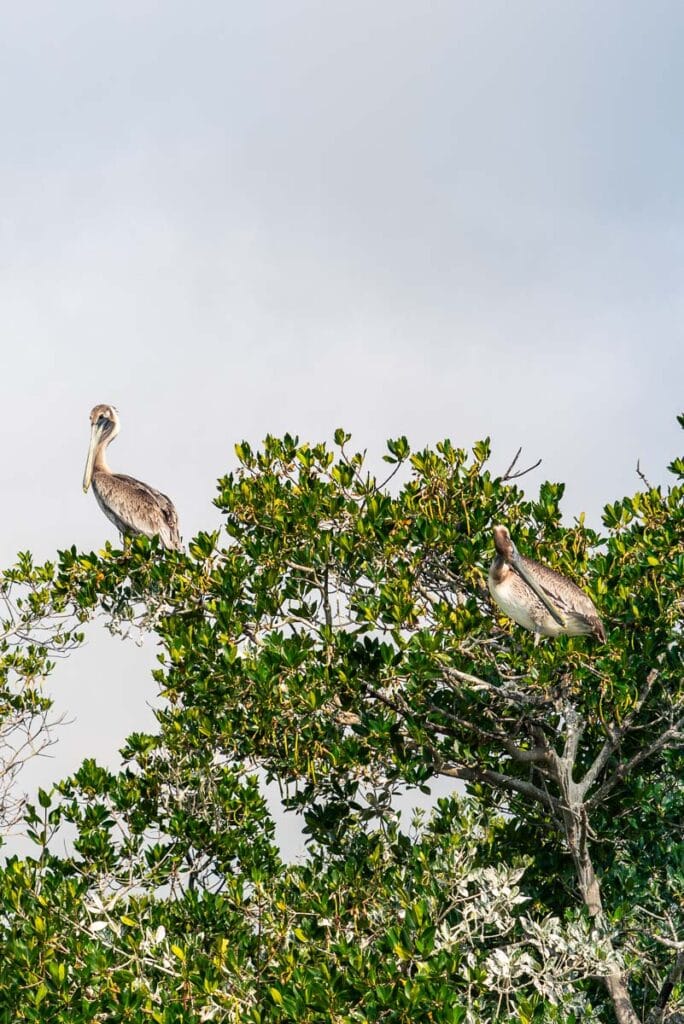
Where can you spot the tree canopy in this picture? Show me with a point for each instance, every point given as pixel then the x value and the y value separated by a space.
pixel 337 635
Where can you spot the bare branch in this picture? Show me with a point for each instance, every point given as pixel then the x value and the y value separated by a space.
pixel 670 943
pixel 616 735
pixel 502 690
pixel 535 755
pixel 481 774
pixel 511 475
pixel 623 770
pixel 499 781
pixel 642 476
pixel 656 1014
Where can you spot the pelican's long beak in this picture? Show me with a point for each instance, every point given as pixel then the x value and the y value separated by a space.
pixel 95 435
pixel 516 562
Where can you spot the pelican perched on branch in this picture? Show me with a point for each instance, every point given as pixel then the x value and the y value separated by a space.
pixel 133 507
pixel 537 597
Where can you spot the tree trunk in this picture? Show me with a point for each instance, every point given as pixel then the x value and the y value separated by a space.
pixel 576 830
pixel 622 1003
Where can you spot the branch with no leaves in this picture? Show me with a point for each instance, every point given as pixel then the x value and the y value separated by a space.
pixel 616 735
pixel 673 978
pixel 673 736
pixel 472 773
pixel 499 781
pixel 501 690
pixel 642 476
pixel 513 474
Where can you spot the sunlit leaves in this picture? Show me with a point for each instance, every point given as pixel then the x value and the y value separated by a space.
pixel 338 636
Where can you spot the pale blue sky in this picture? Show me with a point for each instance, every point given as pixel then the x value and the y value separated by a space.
pixel 432 218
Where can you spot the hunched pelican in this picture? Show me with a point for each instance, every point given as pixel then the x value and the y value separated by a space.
pixel 537 597
pixel 133 507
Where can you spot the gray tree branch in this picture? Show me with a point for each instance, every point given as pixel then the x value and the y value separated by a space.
pixel 674 732
pixel 617 734
pixel 657 1013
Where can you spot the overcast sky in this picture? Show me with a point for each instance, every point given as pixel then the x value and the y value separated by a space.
pixel 431 218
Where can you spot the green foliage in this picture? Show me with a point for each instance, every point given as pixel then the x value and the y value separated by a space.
pixel 338 636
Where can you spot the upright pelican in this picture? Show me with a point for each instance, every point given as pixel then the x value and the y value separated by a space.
pixel 538 598
pixel 133 507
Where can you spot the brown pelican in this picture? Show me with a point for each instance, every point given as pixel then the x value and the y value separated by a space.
pixel 133 507
pixel 538 598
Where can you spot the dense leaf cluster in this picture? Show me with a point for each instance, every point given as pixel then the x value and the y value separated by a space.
pixel 337 635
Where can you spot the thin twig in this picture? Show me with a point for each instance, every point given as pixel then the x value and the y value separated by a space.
pixel 642 476
pixel 510 475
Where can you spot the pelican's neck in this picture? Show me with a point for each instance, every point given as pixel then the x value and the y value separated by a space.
pixel 499 569
pixel 100 464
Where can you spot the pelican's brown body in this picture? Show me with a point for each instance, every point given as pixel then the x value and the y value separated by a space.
pixel 537 597
pixel 133 507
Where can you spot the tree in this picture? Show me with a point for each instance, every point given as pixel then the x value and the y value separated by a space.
pixel 29 643
pixel 342 640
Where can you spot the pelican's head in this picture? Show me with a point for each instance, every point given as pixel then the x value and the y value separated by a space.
pixel 507 550
pixel 104 426
pixel 504 545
